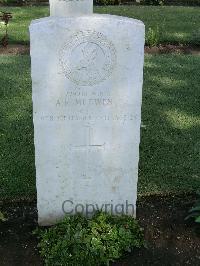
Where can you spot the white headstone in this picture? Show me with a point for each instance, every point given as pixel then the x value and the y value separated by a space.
pixel 63 8
pixel 87 75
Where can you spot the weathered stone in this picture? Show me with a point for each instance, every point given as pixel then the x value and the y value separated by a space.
pixel 87 75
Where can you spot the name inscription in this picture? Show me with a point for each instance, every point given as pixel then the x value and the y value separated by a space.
pixel 82 101
pixel 81 105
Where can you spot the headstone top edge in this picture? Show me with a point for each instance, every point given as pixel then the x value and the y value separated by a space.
pixel 94 16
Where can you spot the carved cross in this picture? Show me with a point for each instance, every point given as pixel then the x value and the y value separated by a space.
pixel 89 141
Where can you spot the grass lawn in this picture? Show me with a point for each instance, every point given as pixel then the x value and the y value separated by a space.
pixel 170 143
pixel 176 24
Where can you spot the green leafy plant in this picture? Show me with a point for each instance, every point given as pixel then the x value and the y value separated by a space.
pixel 105 2
pixel 97 241
pixel 2 217
pixel 194 212
pixel 16 2
pixel 153 36
pixel 153 2
pixel 5 17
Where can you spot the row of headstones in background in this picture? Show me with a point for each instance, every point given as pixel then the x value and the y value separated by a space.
pixel 87 74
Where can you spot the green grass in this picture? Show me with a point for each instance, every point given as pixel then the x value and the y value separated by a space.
pixel 176 24
pixel 17 173
pixel 170 142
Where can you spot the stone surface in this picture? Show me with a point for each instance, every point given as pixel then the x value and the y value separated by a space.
pixel 64 8
pixel 87 75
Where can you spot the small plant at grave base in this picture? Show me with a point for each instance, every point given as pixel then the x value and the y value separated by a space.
pixel 153 36
pixel 194 212
pixel 2 217
pixel 5 17
pixel 100 240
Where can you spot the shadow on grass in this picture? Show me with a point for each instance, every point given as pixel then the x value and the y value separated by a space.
pixel 17 172
pixel 170 139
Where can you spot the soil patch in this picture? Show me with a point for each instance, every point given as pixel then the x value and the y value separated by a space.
pixel 17 49
pixel 170 241
pixel 177 49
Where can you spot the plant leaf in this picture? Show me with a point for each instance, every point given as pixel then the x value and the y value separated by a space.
pixel 192 215
pixel 194 209
pixel 197 220
pixel 2 217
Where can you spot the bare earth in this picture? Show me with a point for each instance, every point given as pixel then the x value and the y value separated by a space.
pixel 170 240
pixel 18 49
pixel 15 49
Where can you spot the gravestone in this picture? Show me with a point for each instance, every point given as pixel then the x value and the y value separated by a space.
pixel 87 74
pixel 70 7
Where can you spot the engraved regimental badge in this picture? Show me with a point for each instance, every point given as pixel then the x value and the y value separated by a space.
pixel 87 58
